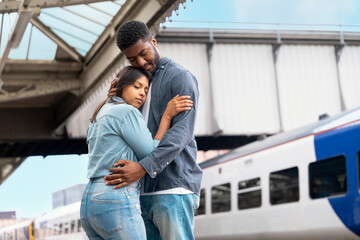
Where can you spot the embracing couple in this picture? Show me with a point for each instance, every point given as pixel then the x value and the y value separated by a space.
pixel 156 145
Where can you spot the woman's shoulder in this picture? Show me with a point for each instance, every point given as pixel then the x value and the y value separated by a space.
pixel 123 111
pixel 119 108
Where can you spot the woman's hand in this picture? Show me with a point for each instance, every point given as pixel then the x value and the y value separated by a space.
pixel 112 90
pixel 176 105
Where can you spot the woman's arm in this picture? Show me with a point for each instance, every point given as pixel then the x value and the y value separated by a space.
pixel 136 134
pixel 174 106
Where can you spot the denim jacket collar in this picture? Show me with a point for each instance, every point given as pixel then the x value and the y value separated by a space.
pixel 117 99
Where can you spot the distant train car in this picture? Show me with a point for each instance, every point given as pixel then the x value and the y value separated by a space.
pixel 18 231
pixel 302 184
pixel 61 223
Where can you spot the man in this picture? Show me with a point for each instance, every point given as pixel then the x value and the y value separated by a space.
pixel 171 183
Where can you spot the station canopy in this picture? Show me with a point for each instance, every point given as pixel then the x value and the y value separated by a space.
pixel 79 26
pixel 53 55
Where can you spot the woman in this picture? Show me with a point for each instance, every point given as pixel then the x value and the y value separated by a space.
pixel 118 131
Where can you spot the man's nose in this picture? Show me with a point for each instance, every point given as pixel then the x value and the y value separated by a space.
pixel 141 61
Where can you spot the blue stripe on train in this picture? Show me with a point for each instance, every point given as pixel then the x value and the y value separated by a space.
pixel 344 141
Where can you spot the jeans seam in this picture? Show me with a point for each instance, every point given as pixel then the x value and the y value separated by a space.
pixel 182 211
pixel 131 208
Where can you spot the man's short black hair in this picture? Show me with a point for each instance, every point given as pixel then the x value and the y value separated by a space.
pixel 131 32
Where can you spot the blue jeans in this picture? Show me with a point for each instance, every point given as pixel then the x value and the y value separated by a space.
pixel 108 213
pixel 169 216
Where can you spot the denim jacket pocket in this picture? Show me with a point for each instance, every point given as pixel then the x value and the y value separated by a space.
pixel 106 211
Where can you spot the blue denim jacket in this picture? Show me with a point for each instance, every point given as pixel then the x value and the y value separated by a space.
pixel 173 163
pixel 119 132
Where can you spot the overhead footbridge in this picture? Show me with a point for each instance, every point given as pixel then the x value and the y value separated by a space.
pixel 54 55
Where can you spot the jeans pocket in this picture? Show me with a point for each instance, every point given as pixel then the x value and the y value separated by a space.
pixel 106 213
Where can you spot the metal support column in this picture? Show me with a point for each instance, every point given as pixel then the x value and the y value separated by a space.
pixel 276 49
pixel 338 51
pixel 209 47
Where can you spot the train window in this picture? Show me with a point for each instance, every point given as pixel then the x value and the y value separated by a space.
pixel 284 186
pixel 250 194
pixel 221 198
pixel 327 177
pixel 79 225
pixel 56 229
pixel 249 183
pixel 66 228
pixel 72 226
pixel 201 209
pixel 60 228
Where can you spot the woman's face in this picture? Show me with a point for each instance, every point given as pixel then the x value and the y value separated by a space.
pixel 135 93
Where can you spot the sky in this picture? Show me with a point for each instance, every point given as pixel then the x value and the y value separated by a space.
pixel 28 191
pixel 270 14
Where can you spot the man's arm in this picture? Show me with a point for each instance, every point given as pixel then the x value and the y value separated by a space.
pixel 182 130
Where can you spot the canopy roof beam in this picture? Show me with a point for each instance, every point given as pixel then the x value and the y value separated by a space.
pixel 13 6
pixel 17 32
pixel 110 29
pixel 53 36
pixel 8 166
pixel 38 88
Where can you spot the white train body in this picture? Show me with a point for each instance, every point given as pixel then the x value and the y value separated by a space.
pixel 336 216
pixel 18 231
pixel 61 223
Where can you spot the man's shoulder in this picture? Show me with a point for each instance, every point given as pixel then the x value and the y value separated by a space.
pixel 175 67
pixel 175 70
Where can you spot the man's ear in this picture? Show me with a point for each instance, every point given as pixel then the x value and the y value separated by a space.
pixel 153 41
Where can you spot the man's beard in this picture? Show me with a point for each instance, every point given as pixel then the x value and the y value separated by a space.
pixel 156 58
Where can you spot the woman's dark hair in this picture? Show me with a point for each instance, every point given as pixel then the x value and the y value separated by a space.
pixel 131 32
pixel 127 76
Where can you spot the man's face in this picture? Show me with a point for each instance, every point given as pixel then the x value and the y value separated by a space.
pixel 143 54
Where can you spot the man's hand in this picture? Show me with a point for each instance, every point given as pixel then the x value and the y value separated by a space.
pixel 112 90
pixel 125 175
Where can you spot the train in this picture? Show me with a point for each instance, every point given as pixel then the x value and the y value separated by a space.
pixel 59 224
pixel 300 184
pixel 23 230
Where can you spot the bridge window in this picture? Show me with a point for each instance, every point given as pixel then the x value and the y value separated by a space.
pixel 249 195
pixel 328 177
pixel 284 186
pixel 221 198
pixel 201 209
